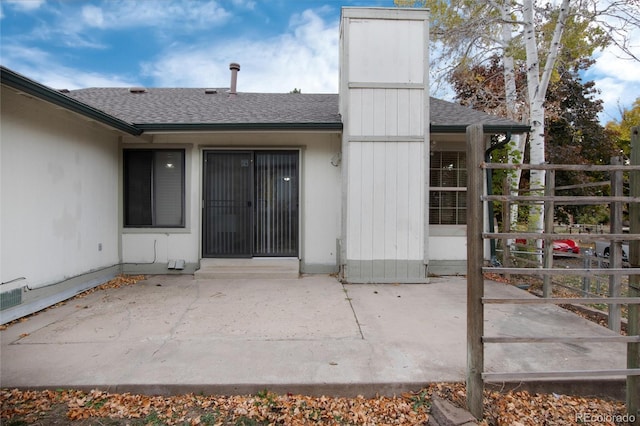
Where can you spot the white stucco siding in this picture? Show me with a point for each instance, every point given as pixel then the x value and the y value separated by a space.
pixel 398 58
pixel 59 193
pixel 158 247
pixel 448 248
pixel 149 247
pixel 384 221
pixel 319 200
pixel 321 192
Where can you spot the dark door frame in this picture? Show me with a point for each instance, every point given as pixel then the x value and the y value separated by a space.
pixel 227 249
pixel 252 231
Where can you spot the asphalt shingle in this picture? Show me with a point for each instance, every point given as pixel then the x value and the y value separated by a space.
pixel 196 106
pixel 444 113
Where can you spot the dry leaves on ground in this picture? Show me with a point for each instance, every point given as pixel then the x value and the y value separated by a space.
pixel 117 282
pixel 264 408
pixel 501 408
pixel 526 409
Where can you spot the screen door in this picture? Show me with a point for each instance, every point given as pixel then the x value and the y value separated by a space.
pixel 250 204
pixel 228 204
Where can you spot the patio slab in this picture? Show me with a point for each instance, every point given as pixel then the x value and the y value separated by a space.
pixel 312 335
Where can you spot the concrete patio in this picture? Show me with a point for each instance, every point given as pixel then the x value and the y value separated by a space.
pixel 313 335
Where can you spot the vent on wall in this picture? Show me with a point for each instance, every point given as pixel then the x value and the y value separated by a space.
pixel 10 298
pixel 176 264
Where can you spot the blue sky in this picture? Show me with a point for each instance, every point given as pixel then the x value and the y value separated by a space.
pixel 280 45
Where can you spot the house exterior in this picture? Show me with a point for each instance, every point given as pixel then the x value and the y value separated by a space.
pixel 367 183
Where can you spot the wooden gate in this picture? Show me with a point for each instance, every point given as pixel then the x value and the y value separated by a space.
pixel 477 203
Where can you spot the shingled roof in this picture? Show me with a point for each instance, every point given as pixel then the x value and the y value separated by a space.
pixel 187 108
pixel 449 117
pixel 183 109
pixel 199 108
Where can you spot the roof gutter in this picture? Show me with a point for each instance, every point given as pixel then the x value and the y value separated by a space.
pixel 488 128
pixel 23 84
pixel 209 127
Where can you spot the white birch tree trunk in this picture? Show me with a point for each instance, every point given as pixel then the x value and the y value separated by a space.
pixel 515 154
pixel 537 86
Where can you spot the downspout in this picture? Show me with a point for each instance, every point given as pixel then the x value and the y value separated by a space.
pixel 487 159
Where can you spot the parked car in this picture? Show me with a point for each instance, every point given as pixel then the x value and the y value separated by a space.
pixel 565 246
pixel 603 250
pixel 559 246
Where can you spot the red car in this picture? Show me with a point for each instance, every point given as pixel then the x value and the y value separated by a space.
pixel 559 246
pixel 565 246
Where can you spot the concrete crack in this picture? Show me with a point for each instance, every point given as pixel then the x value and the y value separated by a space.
pixel 178 321
pixel 355 316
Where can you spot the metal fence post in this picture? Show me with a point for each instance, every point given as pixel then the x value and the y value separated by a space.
pixel 586 281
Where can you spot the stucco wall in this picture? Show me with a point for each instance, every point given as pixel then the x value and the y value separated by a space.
pixel 59 193
pixel 319 198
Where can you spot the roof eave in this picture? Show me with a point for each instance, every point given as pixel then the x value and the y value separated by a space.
pixel 488 128
pixel 25 85
pixel 209 127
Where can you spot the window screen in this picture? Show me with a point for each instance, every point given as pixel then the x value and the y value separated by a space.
pixel 448 194
pixel 154 188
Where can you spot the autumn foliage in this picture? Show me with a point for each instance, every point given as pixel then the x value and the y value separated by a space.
pixel 501 408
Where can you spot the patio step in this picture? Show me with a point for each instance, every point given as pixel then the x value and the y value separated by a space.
pixel 262 268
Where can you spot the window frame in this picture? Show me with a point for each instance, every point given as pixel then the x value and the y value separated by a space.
pixel 460 220
pixel 153 181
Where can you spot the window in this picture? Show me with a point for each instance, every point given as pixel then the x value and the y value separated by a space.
pixel 448 192
pixel 153 188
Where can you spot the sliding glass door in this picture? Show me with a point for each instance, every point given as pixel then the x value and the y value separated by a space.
pixel 250 203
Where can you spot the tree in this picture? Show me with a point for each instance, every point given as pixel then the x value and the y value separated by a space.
pixel 622 129
pixel 482 87
pixel 525 34
pixel 574 135
pixel 573 132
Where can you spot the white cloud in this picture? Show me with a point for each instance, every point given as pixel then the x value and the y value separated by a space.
pixel 42 67
pixel 61 77
pixel 25 5
pixel 73 24
pixel 92 16
pixel 246 4
pixel 306 57
pixel 180 15
pixel 617 78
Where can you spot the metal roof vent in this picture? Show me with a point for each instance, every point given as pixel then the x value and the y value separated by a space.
pixel 137 90
pixel 234 67
pixel 64 90
pixel 210 91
